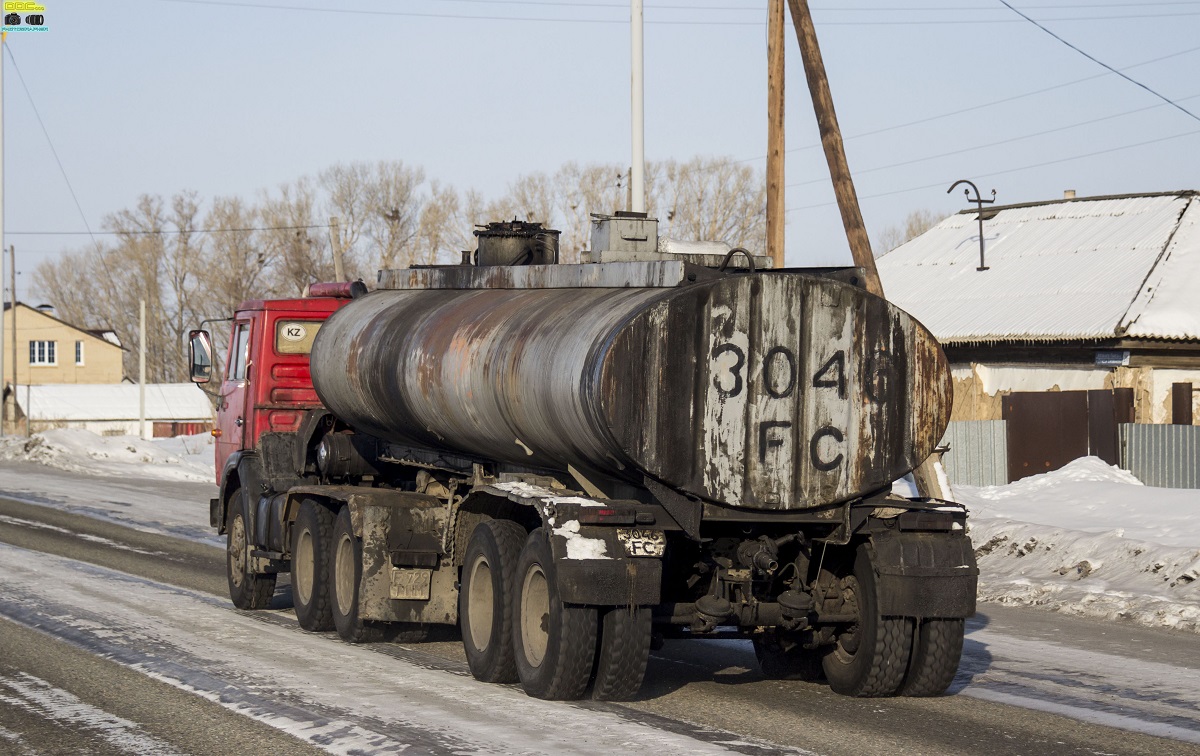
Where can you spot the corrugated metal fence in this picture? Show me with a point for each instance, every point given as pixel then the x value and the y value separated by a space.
pixel 1166 456
pixel 978 453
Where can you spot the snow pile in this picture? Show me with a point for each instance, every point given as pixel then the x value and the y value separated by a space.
pixel 184 458
pixel 1090 539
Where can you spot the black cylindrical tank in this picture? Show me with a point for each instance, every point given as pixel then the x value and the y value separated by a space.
pixel 773 390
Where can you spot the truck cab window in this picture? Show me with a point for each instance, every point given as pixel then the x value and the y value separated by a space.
pixel 241 352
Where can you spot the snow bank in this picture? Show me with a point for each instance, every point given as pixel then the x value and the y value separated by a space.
pixel 1090 539
pixel 184 458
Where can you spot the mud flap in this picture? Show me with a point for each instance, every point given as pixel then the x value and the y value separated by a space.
pixel 616 580
pixel 404 577
pixel 925 574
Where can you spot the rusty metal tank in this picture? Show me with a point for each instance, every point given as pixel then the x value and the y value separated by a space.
pixel 771 390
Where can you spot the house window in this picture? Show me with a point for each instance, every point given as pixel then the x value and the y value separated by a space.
pixel 42 353
pixel 78 352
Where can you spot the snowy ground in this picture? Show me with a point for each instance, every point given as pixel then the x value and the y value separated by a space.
pixel 1088 539
pixel 184 458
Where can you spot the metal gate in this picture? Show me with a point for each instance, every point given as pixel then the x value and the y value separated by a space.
pixel 1046 430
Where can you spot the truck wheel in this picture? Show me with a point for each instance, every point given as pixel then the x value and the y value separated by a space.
pixel 624 653
pixel 555 642
pixel 485 601
pixel 782 658
pixel 311 536
pixel 345 573
pixel 936 653
pixel 247 590
pixel 871 657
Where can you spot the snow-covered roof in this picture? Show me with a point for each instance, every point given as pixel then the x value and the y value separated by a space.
pixel 1079 269
pixel 113 401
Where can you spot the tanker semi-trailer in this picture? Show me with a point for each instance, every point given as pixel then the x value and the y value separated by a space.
pixel 575 462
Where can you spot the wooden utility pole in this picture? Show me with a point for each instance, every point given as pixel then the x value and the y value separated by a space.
pixel 929 483
pixel 335 240
pixel 776 220
pixel 831 140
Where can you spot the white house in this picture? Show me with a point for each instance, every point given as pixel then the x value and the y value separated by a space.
pixel 172 409
pixel 1086 293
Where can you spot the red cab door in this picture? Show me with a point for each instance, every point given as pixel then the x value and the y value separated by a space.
pixel 231 404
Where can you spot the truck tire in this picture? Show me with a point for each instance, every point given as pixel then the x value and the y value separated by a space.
pixel 624 653
pixel 781 658
pixel 247 589
pixel 937 649
pixel 871 657
pixel 345 573
pixel 312 533
pixel 555 642
pixel 485 601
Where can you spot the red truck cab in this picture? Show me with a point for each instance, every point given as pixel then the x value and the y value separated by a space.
pixel 267 386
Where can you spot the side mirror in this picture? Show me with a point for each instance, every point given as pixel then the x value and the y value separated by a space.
pixel 201 356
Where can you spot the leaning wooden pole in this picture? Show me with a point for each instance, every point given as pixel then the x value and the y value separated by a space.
pixel 831 140
pixel 775 166
pixel 929 483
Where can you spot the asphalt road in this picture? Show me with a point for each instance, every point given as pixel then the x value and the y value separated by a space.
pixel 56 697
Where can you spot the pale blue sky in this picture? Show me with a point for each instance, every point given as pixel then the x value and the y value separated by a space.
pixel 156 96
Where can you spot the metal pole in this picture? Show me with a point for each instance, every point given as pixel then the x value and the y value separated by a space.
pixel 3 290
pixel 142 368
pixel 775 166
pixel 12 274
pixel 637 175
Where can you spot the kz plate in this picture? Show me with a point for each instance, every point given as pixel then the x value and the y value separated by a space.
pixel 639 542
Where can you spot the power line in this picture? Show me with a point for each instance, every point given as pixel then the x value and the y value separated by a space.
pixel 984 105
pixel 1096 60
pixel 569 20
pixel 49 141
pixel 168 232
pixel 942 183
pixel 995 144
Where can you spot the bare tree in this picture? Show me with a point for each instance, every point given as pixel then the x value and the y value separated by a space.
pixel 915 223
pixel 393 212
pixel 713 198
pixel 294 239
pixel 237 263
pixel 582 191
pixel 444 227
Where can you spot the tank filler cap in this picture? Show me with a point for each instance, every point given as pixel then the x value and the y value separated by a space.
pixel 516 242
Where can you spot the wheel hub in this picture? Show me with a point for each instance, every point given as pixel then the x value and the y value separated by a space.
pixel 535 615
pixel 481 602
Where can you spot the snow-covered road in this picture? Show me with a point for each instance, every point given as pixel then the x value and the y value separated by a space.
pixel 347 699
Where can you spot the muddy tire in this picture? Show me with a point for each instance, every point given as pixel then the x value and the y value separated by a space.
pixel 345 574
pixel 555 643
pixel 487 597
pixel 623 654
pixel 311 535
pixel 781 658
pixel 937 648
pixel 247 589
pixel 871 657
